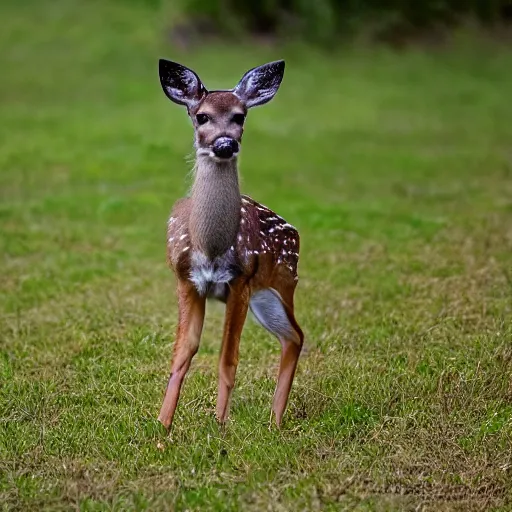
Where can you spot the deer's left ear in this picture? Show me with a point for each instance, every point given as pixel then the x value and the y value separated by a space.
pixel 259 85
pixel 180 83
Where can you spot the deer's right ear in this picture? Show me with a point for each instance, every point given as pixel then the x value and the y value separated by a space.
pixel 180 84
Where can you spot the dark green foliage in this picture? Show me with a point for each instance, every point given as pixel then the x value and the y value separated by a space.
pixel 325 20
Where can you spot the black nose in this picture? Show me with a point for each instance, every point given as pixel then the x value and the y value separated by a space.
pixel 225 147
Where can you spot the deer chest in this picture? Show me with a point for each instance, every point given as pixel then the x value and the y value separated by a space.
pixel 210 276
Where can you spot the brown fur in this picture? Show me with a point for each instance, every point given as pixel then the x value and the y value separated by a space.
pixel 220 102
pixel 220 106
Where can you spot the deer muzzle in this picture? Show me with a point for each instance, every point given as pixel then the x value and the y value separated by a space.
pixel 225 147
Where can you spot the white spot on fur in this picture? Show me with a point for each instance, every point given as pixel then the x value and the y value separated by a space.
pixel 186 249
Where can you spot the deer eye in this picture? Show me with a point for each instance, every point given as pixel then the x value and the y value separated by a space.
pixel 238 119
pixel 202 118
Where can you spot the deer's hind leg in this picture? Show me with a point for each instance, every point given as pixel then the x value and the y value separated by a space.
pixel 275 313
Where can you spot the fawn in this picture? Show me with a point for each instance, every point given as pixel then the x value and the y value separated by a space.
pixel 224 245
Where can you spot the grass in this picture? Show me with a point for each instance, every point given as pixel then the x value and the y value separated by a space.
pixel 396 168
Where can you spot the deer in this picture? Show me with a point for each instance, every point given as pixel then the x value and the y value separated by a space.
pixel 225 246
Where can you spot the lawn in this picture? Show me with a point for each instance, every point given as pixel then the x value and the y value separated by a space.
pixel 397 170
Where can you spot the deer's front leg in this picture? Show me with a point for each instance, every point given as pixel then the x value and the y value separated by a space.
pixel 190 325
pixel 236 313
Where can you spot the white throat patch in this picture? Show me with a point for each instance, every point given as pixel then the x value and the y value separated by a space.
pixel 205 272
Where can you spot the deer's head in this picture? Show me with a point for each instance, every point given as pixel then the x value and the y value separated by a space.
pixel 218 116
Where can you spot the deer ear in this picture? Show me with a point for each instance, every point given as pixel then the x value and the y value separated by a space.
pixel 180 84
pixel 259 85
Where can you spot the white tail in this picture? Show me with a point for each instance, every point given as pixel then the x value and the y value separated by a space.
pixel 226 246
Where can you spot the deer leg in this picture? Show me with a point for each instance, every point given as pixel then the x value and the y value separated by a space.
pixel 270 310
pixel 190 325
pixel 290 352
pixel 236 313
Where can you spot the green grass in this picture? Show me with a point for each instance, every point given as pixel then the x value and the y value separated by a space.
pixel 396 168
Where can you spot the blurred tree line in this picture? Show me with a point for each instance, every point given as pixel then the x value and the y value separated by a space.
pixel 327 20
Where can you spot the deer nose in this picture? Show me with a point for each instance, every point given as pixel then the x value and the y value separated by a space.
pixel 225 147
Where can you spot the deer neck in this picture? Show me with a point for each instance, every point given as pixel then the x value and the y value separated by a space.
pixel 216 203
